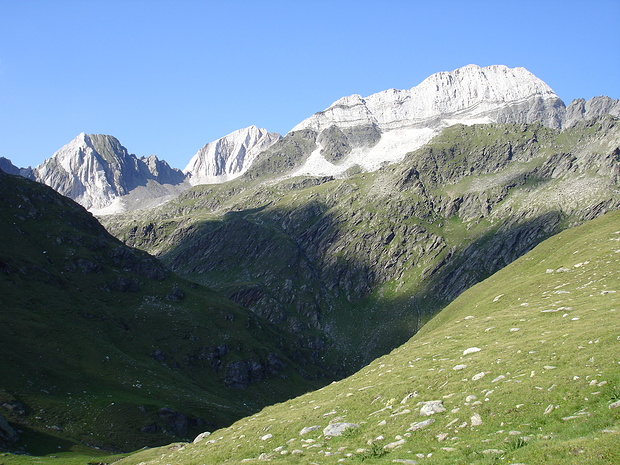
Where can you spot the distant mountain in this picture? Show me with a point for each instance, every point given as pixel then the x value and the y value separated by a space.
pixel 369 132
pixel 582 110
pixel 95 170
pixel 10 168
pixel 229 156
pixel 353 134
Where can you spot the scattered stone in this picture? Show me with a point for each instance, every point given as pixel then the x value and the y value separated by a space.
pixel 201 436
pixel 549 409
pixel 476 419
pixel 499 378
pixel 471 398
pixel 616 404
pixel 336 429
pixel 394 445
pixel 266 437
pixel 308 429
pixel 471 350
pixel 405 461
pixel 442 436
pixel 421 424
pixel 478 376
pixel 432 407
pixel 459 367
pixel 493 451
pixel 514 330
pixel 449 449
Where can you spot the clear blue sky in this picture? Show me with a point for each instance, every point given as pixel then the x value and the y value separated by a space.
pixel 166 77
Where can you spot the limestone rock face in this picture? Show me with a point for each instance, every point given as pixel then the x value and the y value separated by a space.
pixel 94 170
pixel 229 156
pixel 580 109
pixel 400 121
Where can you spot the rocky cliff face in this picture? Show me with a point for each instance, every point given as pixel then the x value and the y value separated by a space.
pixel 385 126
pixel 94 170
pixel 230 156
pixel 582 110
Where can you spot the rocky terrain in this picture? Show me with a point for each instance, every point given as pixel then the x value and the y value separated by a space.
pixel 229 157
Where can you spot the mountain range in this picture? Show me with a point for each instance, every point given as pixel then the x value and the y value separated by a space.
pixel 273 265
pixel 353 133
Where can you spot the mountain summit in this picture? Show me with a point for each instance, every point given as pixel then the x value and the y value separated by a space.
pixel 229 156
pixel 385 126
pixel 95 169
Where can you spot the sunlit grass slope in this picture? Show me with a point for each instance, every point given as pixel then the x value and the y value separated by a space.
pixel 525 368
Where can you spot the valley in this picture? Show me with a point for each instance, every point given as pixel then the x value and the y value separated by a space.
pixel 417 276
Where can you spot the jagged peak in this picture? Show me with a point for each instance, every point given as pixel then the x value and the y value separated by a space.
pixel 229 156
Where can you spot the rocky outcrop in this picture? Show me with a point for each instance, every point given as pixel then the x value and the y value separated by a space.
pixel 383 127
pixel 229 156
pixel 95 170
pixel 582 110
pixel 8 436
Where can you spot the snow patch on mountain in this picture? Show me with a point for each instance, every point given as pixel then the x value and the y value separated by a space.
pixel 407 119
pixel 230 156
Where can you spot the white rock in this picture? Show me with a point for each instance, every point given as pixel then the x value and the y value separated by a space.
pixel 308 429
pixel 432 407
pixel 471 350
pixel 266 437
pixel 201 436
pixel 476 419
pixel 478 376
pixel 394 445
pixel 230 156
pixel 336 429
pixel 421 424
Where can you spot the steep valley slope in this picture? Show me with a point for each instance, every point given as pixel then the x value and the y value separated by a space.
pixel 353 267
pixel 103 346
pixel 524 367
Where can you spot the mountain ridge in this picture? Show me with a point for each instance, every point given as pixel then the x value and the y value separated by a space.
pixel 352 134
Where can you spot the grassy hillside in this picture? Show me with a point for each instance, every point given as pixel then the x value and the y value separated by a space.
pixel 525 368
pixel 102 346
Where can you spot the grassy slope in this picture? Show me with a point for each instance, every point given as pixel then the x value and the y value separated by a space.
pixel 78 354
pixel 548 370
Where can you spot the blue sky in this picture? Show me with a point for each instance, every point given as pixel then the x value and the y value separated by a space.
pixel 166 77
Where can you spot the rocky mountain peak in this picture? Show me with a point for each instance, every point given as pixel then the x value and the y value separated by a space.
pixel 95 169
pixel 407 119
pixel 230 156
